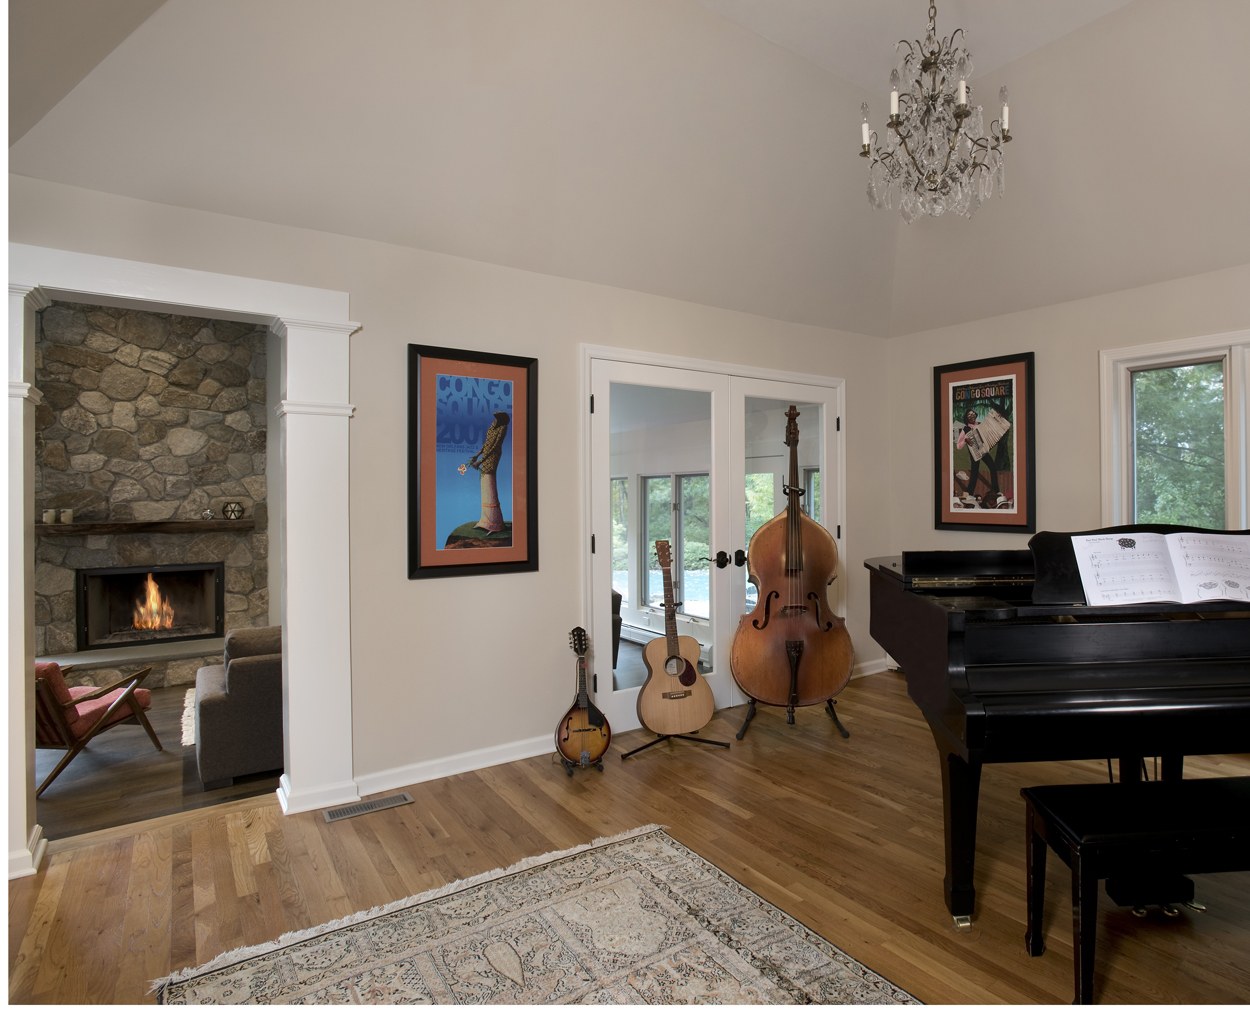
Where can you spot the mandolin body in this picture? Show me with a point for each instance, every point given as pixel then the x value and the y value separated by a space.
pixel 579 740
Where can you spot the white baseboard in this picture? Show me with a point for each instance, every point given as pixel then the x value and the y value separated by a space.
pixel 25 862
pixel 468 761
pixel 295 801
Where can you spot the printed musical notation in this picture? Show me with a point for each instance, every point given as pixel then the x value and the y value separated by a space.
pixel 1184 567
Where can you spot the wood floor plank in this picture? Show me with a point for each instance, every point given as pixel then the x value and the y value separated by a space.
pixel 846 835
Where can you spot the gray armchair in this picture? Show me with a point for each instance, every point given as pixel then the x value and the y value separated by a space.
pixel 238 708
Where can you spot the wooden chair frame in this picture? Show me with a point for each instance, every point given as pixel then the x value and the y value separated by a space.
pixel 57 721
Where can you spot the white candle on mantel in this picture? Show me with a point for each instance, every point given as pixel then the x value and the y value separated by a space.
pixel 963 92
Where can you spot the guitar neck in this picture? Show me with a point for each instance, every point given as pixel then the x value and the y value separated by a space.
pixel 670 612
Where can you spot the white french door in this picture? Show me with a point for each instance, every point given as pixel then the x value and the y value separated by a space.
pixel 692 453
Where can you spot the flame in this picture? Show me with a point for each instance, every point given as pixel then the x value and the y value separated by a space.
pixel 154 611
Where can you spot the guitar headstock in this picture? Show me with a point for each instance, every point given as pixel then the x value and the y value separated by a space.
pixel 792 426
pixel 664 554
pixel 579 641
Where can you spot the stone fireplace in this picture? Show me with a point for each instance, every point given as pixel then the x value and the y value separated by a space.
pixel 152 434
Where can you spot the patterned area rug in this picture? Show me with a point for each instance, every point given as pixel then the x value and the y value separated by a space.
pixel 636 919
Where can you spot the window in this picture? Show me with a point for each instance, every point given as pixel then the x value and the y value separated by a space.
pixel 677 512
pixel 1178 444
pixel 1174 432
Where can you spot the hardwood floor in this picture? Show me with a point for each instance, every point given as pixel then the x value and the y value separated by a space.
pixel 846 835
pixel 121 779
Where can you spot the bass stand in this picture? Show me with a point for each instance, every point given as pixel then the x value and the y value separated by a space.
pixel 829 704
pixel 675 737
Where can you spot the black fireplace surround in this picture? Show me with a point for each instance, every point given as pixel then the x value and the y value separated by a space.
pixel 107 599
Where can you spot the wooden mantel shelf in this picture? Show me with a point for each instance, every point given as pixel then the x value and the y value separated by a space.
pixel 152 527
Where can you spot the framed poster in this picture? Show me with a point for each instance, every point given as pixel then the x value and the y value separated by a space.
pixel 983 454
pixel 472 463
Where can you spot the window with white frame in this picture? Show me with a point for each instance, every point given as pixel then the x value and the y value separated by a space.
pixel 1174 421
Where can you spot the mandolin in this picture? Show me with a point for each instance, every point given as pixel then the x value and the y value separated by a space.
pixel 675 699
pixel 583 735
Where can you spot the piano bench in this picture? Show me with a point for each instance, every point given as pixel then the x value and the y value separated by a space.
pixel 1178 826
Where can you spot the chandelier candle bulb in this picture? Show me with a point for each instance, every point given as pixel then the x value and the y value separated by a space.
pixel 963 92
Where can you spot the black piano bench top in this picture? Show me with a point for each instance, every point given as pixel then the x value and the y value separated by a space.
pixel 1164 813
pixel 1178 826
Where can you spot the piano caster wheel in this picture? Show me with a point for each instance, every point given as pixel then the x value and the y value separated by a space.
pixel 1139 912
pixel 1170 910
pixel 1197 907
pixel 962 922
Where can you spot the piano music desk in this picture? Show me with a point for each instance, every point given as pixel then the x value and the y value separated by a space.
pixel 1182 826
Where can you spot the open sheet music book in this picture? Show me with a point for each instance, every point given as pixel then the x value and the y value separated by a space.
pixel 1139 567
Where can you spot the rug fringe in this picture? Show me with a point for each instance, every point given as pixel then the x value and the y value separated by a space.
pixel 295 936
pixel 188 718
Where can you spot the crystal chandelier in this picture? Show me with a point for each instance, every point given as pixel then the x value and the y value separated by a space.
pixel 937 156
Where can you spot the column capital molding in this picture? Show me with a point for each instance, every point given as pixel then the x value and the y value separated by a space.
pixel 284 326
pixel 33 295
pixel 314 408
pixel 24 391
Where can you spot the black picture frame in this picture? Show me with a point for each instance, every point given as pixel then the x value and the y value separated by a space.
pixel 984 447
pixel 471 414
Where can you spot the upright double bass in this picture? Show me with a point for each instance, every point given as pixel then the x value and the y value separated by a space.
pixel 791 650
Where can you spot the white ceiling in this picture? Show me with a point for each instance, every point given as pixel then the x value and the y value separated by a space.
pixel 654 145
pixel 855 38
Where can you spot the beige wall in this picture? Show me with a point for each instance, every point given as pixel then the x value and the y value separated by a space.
pixel 447 666
pixel 1066 340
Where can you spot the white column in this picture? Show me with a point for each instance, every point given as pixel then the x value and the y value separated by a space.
pixel 316 606
pixel 17 560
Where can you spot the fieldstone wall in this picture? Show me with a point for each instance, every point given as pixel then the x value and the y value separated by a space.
pixel 148 417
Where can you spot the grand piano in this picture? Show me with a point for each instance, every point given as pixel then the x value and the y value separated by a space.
pixel 1009 664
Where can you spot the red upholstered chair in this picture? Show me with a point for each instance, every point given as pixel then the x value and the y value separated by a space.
pixel 69 718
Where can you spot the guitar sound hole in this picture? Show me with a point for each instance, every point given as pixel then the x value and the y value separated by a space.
pixel 674 665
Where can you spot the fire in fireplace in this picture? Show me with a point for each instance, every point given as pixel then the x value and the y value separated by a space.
pixel 154 603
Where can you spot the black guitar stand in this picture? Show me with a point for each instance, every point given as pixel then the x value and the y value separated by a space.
pixel 829 704
pixel 675 737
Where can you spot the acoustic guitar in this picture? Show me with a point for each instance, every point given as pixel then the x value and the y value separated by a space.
pixel 583 735
pixel 675 699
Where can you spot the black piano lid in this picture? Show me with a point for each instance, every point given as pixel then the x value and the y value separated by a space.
pixel 1057 580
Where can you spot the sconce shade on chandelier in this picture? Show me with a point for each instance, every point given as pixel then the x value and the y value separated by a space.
pixel 937 156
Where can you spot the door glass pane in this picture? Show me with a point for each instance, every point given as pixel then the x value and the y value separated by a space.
pixel 660 457
pixel 1178 445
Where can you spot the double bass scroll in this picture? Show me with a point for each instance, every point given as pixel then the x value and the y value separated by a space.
pixel 792 650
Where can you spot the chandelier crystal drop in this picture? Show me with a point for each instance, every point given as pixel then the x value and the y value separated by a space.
pixel 937 156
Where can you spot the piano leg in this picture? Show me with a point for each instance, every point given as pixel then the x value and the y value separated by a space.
pixel 961 789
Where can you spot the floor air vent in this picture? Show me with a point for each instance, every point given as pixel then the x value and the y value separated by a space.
pixel 367 807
